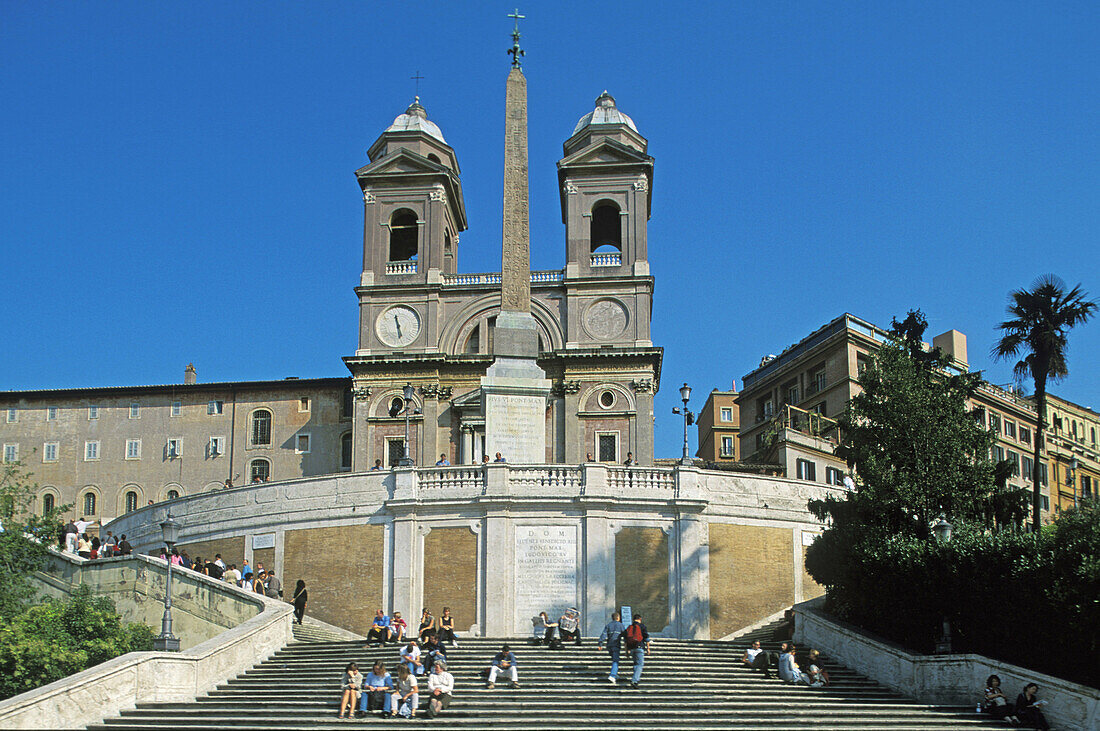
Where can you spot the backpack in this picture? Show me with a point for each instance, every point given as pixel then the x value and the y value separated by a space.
pixel 634 637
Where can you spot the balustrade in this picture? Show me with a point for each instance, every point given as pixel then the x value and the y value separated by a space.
pixel 401 267
pixel 609 259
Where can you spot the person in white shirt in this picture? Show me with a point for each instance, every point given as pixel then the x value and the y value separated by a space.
pixel 410 657
pixel 218 561
pixel 757 659
pixel 232 575
pixel 441 685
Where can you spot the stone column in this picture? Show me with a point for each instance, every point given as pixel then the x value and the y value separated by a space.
pixel 693 600
pixel 499 543
pixel 598 591
pixel 405 539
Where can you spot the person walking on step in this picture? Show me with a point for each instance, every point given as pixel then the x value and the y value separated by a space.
pixel 637 644
pixel 611 637
pixel 301 596
pixel 504 662
pixel 756 658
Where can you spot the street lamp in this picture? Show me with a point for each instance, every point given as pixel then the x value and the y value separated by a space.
pixel 942 530
pixel 407 392
pixel 689 418
pixel 166 641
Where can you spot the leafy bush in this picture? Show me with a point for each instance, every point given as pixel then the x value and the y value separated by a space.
pixel 54 640
pixel 1029 599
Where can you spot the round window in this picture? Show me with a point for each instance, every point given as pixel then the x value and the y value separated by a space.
pixel 607 399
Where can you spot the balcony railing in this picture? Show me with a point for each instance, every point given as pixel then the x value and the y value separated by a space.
pixel 610 259
pixel 463 280
pixel 401 267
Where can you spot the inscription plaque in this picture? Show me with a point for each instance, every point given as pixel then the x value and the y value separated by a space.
pixel 515 426
pixel 546 572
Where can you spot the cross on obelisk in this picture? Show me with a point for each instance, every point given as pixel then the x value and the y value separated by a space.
pixel 514 389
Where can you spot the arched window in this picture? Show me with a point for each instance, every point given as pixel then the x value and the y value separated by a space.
pixel 89 503
pixel 48 503
pixel 397 405
pixel 607 227
pixel 131 501
pixel 259 470
pixel 473 342
pixel 434 158
pixel 403 236
pixel 261 427
pixel 173 494
pixel 345 451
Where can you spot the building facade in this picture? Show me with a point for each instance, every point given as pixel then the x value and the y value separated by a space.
pixel 1072 451
pixel 789 404
pixel 719 427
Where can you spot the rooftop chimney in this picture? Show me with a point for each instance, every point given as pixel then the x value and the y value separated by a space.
pixel 190 378
pixel 953 345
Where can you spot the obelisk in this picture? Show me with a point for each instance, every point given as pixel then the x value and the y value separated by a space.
pixel 514 389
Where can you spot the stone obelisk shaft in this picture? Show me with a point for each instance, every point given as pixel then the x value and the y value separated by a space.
pixel 516 265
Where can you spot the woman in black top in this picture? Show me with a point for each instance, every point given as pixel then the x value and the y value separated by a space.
pixel 301 596
pixel 447 628
pixel 427 625
pixel 1029 708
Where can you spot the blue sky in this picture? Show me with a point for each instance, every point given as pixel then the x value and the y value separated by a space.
pixel 176 179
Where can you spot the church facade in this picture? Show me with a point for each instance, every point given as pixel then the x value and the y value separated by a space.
pixel 423 323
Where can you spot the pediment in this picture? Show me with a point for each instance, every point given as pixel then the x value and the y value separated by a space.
pixel 402 162
pixel 606 152
pixel 468 400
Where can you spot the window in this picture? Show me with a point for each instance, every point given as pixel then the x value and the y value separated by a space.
pixel 817 380
pixel 131 502
pixel 133 449
pixel 49 451
pixel 607 447
pixel 89 503
pixel 998 453
pixel 1014 458
pixel 261 427
pixel 397 405
pixel 347 405
pixel 217 446
pixel 395 451
pixel 727 446
pixel 1025 435
pixel 93 412
pixel 1069 475
pixel 215 407
pixel 1010 429
pixel 174 448
pixel 11 415
pixel 404 232
pixel 833 476
pixel 11 452
pixel 91 451
pixel 819 409
pixel 1043 473
pixel 1094 435
pixel 173 494
pixel 765 409
pixel 301 444
pixel 1046 502
pixel 177 408
pixel 303 404
pixel 345 451
pixel 607 399
pixel 51 413
pixel 863 362
pixel 726 413
pixel 1027 468
pixel 806 469
pixel 994 423
pixel 48 502
pixel 135 411
pixel 1086 485
pixel 259 470
pixel 606 228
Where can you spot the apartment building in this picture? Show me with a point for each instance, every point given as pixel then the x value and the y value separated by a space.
pixel 719 426
pixel 1072 452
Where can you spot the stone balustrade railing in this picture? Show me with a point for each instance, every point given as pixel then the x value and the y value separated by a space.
pixel 401 267
pixel 610 259
pixel 551 276
pixel 628 478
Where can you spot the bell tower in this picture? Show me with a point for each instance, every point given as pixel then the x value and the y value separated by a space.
pixel 412 204
pixel 605 181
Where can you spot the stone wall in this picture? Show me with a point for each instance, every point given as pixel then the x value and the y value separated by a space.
pixel 342 568
pixel 751 574
pixel 450 574
pixel 641 574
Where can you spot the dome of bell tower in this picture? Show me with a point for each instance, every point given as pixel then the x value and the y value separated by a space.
pixel 415 119
pixel 605 113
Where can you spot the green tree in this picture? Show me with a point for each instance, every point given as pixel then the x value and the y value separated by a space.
pixel 24 539
pixel 913 441
pixel 1041 318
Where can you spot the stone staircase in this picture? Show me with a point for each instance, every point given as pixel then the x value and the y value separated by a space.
pixel 686 684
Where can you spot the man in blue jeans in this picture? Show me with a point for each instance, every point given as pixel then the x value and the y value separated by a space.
pixel 637 642
pixel 611 637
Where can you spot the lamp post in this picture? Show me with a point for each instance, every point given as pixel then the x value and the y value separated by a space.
pixel 689 418
pixel 166 641
pixel 407 392
pixel 942 530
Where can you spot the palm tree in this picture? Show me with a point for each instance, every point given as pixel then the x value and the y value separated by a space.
pixel 1041 319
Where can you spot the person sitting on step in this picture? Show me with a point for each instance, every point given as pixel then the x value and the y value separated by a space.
pixel 380 631
pixel 546 631
pixel 1029 709
pixel 447 628
pixel 996 703
pixel 789 671
pixel 427 625
pixel 410 658
pixel 441 686
pixel 503 662
pixel 398 628
pixel 433 651
pixel 351 685
pixel 756 658
pixel 819 676
pixel 377 687
pixel 406 698
pixel 569 626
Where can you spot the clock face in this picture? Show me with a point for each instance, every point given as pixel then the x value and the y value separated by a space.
pixel 398 326
pixel 605 319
